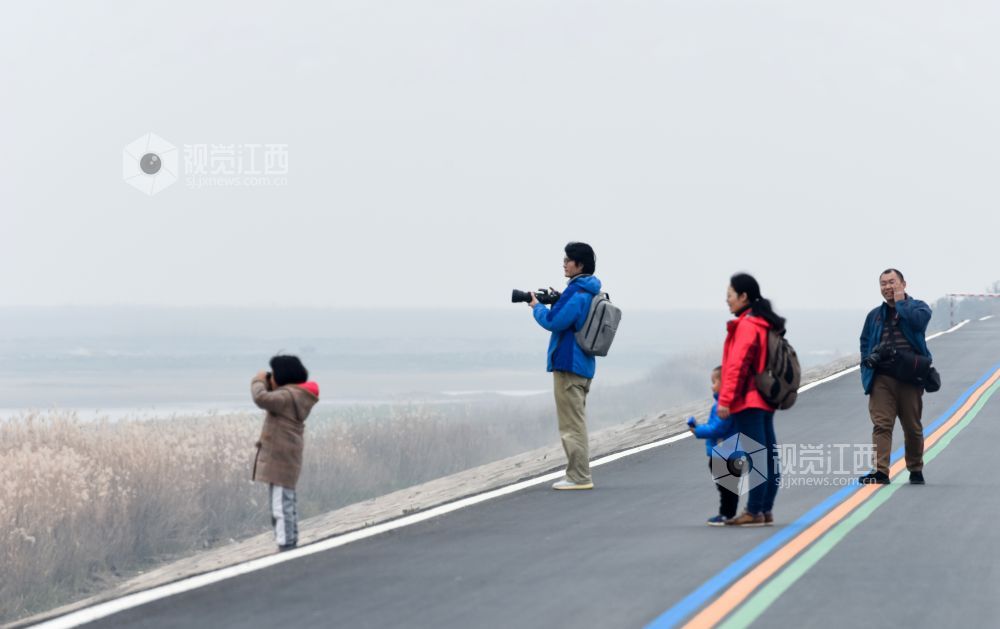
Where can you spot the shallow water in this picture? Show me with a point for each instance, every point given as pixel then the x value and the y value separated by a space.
pixel 161 361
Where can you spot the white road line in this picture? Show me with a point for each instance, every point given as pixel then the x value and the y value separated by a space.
pixel 103 610
pixel 815 384
pixel 986 317
pixel 948 331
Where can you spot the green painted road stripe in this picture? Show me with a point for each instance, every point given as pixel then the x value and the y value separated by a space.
pixel 763 599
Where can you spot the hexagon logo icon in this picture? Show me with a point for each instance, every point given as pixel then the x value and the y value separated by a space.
pixel 150 164
pixel 739 464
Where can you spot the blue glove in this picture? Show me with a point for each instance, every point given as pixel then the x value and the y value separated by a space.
pixel 691 422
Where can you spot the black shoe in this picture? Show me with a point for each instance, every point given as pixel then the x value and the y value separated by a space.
pixel 916 478
pixel 287 547
pixel 874 478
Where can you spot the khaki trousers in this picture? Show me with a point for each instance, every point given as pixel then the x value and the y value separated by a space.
pixel 889 399
pixel 571 406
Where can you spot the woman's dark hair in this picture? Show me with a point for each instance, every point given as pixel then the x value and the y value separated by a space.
pixel 288 370
pixel 582 254
pixel 759 307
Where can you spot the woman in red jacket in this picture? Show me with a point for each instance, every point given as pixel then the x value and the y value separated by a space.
pixel 743 356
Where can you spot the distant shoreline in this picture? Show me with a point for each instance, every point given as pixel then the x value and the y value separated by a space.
pixel 199 410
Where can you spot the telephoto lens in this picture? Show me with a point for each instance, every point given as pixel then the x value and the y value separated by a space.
pixel 519 296
pixel 543 295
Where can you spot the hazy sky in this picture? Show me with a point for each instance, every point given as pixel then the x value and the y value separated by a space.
pixel 444 152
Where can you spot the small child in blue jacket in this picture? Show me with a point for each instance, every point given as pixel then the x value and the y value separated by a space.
pixel 714 431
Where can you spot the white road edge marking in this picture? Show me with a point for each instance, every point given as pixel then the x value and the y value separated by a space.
pixel 948 331
pixel 103 610
pixel 986 317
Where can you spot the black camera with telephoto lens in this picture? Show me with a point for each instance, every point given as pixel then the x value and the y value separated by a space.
pixel 543 295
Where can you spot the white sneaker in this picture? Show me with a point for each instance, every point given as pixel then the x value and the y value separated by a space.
pixel 567 484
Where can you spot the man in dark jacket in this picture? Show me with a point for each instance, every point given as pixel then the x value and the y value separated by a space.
pixel 572 369
pixel 900 323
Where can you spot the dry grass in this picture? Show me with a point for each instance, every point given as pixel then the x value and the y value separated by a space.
pixel 83 501
pixel 86 502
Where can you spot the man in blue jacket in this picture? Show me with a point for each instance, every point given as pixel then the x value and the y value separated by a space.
pixel 899 322
pixel 572 369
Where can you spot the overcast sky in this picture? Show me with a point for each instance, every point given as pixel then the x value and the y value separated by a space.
pixel 444 152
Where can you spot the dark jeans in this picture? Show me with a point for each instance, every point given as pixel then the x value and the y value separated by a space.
pixel 728 501
pixel 758 425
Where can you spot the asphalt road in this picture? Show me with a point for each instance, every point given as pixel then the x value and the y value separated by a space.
pixel 621 555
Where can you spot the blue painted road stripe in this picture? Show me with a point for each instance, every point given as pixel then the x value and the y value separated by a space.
pixel 723 579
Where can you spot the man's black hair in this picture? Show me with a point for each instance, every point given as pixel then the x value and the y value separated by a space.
pixel 582 254
pixel 891 270
pixel 288 370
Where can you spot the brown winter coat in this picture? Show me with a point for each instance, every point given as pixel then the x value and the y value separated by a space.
pixel 279 451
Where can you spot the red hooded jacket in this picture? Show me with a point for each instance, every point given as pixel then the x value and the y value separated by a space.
pixel 743 356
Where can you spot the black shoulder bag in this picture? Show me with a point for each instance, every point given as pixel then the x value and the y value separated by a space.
pixel 909 366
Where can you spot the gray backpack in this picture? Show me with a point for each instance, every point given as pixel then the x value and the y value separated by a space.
pixel 598 331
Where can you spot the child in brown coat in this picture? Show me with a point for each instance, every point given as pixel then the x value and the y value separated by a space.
pixel 287 396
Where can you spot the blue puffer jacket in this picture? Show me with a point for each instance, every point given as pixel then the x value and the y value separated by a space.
pixel 565 317
pixel 715 429
pixel 914 315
